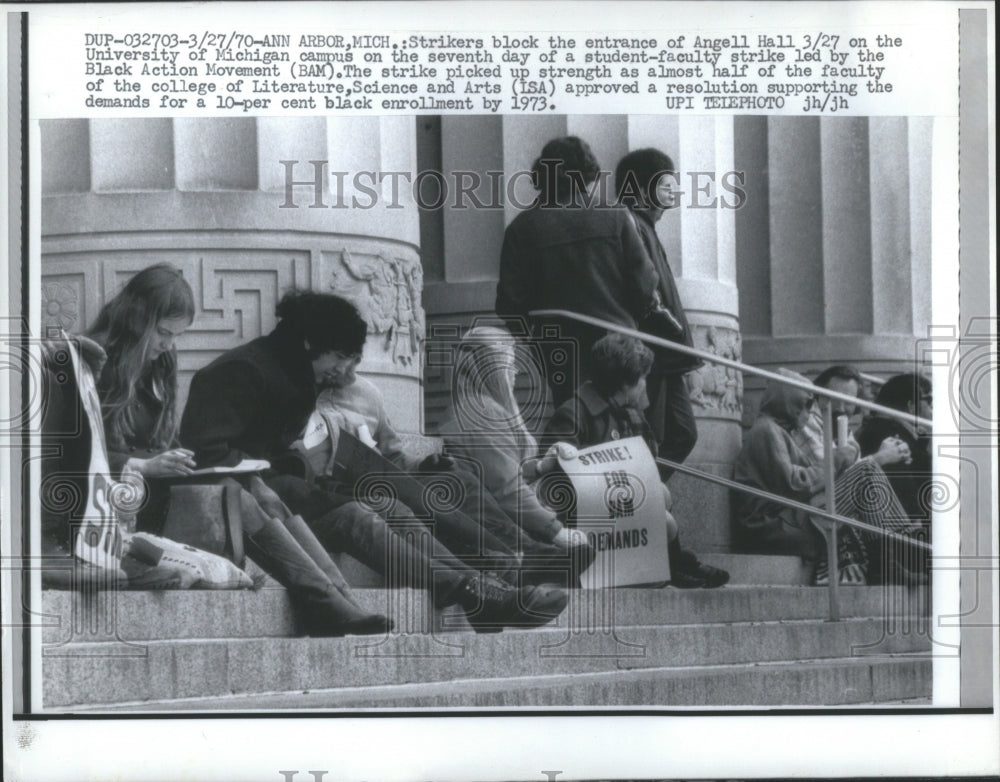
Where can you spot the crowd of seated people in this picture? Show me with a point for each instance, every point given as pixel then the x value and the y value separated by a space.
pixel 503 555
pixel 783 453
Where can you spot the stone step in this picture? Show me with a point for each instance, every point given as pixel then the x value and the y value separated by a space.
pixel 94 673
pixel 759 568
pixel 898 679
pixel 142 616
pixel 743 569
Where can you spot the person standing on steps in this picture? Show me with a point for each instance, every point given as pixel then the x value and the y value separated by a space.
pixel 569 252
pixel 644 182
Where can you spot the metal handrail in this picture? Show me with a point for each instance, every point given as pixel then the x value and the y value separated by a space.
pixel 829 479
pixel 805 385
pixel 872 380
pixel 803 506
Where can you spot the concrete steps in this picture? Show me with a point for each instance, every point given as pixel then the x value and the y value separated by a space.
pixel 743 569
pixel 267 613
pixel 896 679
pixel 105 672
pixel 761 641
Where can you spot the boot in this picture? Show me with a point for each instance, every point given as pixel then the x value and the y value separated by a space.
pixel 304 536
pixel 491 604
pixel 687 572
pixel 323 610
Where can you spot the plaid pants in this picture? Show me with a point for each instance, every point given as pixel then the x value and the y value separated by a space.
pixel 863 492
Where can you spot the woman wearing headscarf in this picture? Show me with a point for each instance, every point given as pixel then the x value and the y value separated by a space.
pixel 485 425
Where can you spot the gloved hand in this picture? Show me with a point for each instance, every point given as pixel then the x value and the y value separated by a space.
pixel 661 322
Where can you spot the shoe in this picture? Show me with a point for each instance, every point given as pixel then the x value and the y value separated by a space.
pixel 686 569
pixel 557 565
pixel 491 604
pixel 539 605
pixel 713 577
pixel 328 619
pixel 688 572
pixel 684 580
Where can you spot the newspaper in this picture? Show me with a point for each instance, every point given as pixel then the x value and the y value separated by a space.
pixel 835 202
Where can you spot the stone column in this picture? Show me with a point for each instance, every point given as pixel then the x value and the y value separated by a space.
pixel 834 243
pixel 212 196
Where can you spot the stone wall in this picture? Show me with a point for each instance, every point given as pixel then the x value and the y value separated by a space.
pixel 210 196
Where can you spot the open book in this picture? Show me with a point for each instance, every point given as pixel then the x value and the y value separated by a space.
pixel 247 465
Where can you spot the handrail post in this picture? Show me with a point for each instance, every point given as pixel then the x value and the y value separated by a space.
pixel 831 505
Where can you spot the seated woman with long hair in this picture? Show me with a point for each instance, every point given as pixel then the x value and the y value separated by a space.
pixel 485 426
pixel 138 390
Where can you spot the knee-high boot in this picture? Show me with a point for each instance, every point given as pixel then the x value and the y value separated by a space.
pixel 406 558
pixel 304 536
pixel 412 560
pixel 323 609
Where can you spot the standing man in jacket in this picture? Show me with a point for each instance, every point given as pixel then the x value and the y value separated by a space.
pixel 644 183
pixel 567 251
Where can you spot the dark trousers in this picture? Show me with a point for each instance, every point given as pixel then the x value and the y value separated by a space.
pixel 479 504
pixel 407 555
pixel 789 536
pixel 671 417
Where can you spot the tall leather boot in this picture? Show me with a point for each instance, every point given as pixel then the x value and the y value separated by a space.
pixel 490 603
pixel 323 609
pixel 304 536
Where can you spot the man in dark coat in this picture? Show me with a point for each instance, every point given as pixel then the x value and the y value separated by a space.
pixel 255 401
pixel 644 182
pixel 569 252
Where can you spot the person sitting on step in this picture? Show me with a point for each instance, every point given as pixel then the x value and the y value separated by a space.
pixel 779 456
pixel 484 427
pixel 138 391
pixel 911 477
pixel 609 406
pixel 255 401
pixel 354 404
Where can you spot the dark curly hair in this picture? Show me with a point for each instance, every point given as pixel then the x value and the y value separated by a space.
pixel 618 361
pixel 326 321
pixel 565 167
pixel 638 174
pixel 899 390
pixel 841 372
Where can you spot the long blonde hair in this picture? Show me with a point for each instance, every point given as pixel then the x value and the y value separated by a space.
pixel 125 327
pixel 484 374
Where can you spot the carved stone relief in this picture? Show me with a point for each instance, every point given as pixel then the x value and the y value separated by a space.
pixel 60 307
pixel 386 289
pixel 712 386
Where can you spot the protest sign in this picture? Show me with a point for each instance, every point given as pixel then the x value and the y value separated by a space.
pixel 619 504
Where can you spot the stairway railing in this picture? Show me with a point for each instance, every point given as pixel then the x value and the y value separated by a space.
pixel 830 511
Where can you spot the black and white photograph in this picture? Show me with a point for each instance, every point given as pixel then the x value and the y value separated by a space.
pixel 624 389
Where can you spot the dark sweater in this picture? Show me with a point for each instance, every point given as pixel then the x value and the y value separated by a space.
pixel 251 402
